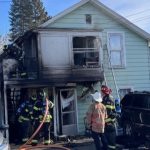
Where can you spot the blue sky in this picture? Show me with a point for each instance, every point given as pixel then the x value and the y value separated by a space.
pixel 136 11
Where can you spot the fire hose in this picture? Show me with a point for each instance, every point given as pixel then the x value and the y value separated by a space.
pixel 37 130
pixel 23 147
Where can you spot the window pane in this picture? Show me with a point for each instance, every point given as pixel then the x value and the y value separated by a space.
pixel 88 18
pixel 91 42
pixel 86 58
pixel 68 118
pixel 115 42
pixel 79 42
pixel 79 59
pixel 84 42
pixel 115 58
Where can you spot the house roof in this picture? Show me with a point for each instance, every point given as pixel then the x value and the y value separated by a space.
pixel 26 35
pixel 101 6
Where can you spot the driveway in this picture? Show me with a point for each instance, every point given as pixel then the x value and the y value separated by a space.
pixel 83 143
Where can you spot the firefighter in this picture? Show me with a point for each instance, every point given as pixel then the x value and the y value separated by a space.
pixel 23 113
pixel 96 116
pixel 110 130
pixel 38 114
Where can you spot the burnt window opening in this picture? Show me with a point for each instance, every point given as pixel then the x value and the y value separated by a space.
pixel 88 19
pixel 86 51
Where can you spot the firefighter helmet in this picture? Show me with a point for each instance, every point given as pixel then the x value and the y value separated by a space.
pixel 33 97
pixel 105 89
pixel 41 94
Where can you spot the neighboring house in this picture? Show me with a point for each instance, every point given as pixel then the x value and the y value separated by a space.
pixel 70 57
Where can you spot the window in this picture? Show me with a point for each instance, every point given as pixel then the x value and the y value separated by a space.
pixel 86 51
pixel 124 91
pixel 88 19
pixel 116 49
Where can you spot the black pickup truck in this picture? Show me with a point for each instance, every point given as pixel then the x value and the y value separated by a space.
pixel 135 115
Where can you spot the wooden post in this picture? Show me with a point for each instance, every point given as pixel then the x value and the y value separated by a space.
pixel 4 99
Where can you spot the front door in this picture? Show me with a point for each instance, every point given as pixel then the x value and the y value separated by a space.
pixel 67 112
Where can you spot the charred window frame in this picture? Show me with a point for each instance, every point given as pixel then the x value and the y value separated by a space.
pixel 86 51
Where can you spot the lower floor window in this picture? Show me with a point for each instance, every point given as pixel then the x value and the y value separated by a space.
pixel 124 91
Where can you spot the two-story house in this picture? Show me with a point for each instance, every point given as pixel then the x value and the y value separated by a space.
pixel 71 55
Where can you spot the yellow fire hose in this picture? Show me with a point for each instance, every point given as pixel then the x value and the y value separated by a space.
pixel 37 130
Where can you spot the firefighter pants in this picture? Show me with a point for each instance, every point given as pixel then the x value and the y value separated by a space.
pixel 25 129
pixel 110 133
pixel 97 136
pixel 44 132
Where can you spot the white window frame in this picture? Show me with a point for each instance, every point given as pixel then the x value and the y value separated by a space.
pixel 121 50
